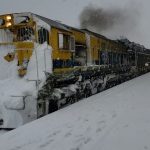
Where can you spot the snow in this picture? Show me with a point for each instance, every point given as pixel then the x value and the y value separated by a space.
pixel 6 36
pixel 2 132
pixel 16 91
pixel 116 119
pixel 41 23
pixel 36 69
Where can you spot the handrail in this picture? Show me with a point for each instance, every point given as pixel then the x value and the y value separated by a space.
pixel 7 43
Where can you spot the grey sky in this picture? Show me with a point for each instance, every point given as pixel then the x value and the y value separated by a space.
pixel 68 12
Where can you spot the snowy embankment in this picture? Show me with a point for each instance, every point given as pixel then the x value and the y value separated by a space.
pixel 116 119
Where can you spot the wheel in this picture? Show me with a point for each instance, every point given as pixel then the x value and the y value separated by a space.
pixel 53 106
pixel 87 93
pixel 73 99
pixel 99 88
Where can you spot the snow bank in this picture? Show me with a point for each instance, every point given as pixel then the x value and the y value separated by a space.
pixel 116 119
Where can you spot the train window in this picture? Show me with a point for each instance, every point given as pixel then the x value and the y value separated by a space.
pixel 43 35
pixel 103 46
pixel 114 58
pixel 104 57
pixel 25 33
pixel 110 57
pixel 22 19
pixel 121 59
pixel 66 42
pixel 72 43
pixel 61 41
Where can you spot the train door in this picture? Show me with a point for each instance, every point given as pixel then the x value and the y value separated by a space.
pixel 80 54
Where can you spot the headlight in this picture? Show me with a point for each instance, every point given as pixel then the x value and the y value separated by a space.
pixel 8 18
pixel 8 24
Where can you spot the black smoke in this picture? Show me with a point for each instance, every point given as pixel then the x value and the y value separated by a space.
pixel 112 22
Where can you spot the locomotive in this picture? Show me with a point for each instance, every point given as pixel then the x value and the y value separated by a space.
pixel 46 65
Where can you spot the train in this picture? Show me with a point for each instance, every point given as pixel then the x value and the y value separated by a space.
pixel 47 65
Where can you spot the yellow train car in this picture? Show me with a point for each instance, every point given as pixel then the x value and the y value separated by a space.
pixel 104 51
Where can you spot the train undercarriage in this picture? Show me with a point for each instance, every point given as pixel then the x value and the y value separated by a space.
pixel 59 92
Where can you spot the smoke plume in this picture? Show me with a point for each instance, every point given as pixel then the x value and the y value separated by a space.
pixel 112 22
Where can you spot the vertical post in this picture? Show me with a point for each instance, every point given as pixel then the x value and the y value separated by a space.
pixel 37 74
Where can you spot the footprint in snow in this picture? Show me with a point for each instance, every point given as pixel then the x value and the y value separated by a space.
pixel 53 134
pixel 114 115
pixel 98 130
pixel 145 147
pixel 87 140
pixel 101 125
pixel 76 148
pixel 56 132
pixel 86 120
pixel 68 134
pixel 82 142
pixel 101 122
pixel 126 126
pixel 88 129
pixel 17 148
pixel 46 143
pixel 69 126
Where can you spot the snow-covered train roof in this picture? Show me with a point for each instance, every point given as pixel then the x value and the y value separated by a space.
pixel 134 47
pixel 93 33
pixel 53 23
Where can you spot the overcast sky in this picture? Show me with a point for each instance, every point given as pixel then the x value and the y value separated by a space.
pixel 68 12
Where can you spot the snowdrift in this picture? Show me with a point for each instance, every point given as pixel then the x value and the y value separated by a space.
pixel 16 92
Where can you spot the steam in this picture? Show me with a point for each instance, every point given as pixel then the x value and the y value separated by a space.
pixel 112 22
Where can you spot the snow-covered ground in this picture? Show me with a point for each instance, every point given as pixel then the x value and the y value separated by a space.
pixel 2 132
pixel 116 119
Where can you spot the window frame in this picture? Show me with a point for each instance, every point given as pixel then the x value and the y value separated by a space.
pixel 71 40
pixel 45 33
